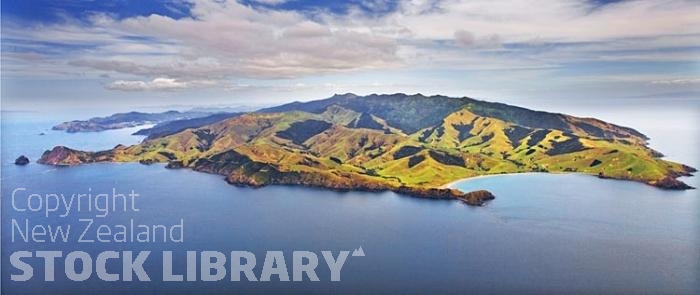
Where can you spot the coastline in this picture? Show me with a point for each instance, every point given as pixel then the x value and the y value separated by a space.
pixel 451 185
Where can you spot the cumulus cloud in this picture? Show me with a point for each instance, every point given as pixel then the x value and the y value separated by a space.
pixel 228 38
pixel 224 40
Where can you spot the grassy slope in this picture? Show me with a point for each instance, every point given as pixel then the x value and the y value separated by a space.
pixel 362 156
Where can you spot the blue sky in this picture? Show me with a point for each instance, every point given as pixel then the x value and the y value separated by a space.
pixel 131 54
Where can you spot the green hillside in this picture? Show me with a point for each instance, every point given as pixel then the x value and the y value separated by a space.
pixel 398 142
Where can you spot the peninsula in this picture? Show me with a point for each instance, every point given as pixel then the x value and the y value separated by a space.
pixel 411 144
pixel 126 120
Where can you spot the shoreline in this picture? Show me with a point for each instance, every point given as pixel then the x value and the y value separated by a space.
pixel 451 185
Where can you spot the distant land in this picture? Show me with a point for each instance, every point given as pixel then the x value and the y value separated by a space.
pixel 411 144
pixel 125 120
pixel 175 126
pixel 166 123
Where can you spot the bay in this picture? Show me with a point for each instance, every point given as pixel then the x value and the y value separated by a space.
pixel 543 233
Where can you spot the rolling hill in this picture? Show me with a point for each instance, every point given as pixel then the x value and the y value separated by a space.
pixel 411 144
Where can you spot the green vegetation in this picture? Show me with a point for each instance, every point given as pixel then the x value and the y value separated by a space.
pixel 398 142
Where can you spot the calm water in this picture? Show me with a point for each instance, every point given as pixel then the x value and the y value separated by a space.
pixel 543 233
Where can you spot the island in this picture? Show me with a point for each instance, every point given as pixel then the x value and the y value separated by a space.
pixel 22 160
pixel 409 144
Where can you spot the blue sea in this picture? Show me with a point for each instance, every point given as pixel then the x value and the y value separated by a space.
pixel 543 234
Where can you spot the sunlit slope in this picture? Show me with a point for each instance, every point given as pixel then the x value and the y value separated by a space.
pixel 392 141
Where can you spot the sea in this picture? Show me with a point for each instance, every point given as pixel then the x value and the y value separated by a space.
pixel 544 233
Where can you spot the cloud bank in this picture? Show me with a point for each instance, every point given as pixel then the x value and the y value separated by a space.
pixel 223 41
pixel 165 84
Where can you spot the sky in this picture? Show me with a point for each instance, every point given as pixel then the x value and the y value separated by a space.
pixel 552 55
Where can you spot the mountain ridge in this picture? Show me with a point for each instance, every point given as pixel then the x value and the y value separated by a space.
pixel 479 107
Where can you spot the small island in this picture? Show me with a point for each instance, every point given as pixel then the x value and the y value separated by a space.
pixel 22 160
pixel 409 144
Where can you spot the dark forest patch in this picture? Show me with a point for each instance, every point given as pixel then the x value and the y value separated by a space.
pixel 406 151
pixel 487 137
pixel 425 134
pixel 611 152
pixel 168 155
pixel 464 130
pixel 365 121
pixel 592 130
pixel 299 132
pixel 537 136
pixel 205 138
pixel 440 131
pixel 415 160
pixel 568 146
pixel 447 159
pixel 516 133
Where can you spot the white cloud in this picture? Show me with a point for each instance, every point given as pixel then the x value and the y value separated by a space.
pixel 271 2
pixel 468 40
pixel 223 39
pixel 233 39
pixel 156 84
pixel 227 40
pixel 688 81
pixel 549 20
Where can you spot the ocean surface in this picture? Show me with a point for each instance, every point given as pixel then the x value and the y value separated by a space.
pixel 543 233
